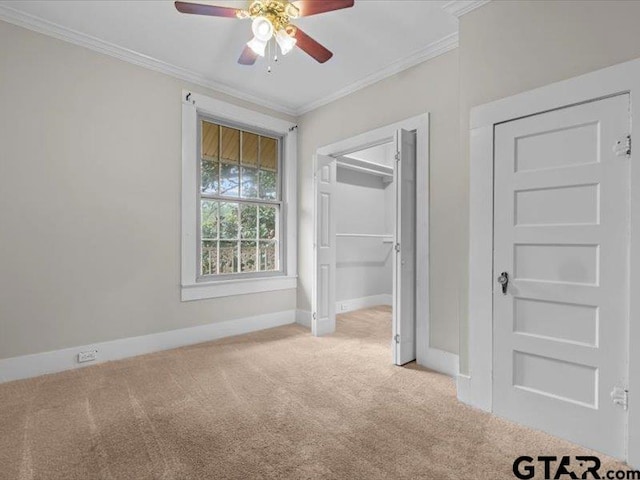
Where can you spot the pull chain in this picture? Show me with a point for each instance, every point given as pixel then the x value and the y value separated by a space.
pixel 273 57
pixel 275 51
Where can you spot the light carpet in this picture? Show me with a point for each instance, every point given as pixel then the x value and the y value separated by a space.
pixel 273 404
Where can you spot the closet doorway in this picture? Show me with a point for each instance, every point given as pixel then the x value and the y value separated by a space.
pixel 371 232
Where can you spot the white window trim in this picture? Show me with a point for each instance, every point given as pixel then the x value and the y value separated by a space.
pixel 192 289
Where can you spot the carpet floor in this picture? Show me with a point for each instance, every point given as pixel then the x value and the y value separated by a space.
pixel 273 404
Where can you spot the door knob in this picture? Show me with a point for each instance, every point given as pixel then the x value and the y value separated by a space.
pixel 503 280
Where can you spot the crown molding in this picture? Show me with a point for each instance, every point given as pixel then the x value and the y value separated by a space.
pixel 458 8
pixel 37 24
pixel 432 50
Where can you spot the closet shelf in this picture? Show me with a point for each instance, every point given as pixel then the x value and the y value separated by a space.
pixel 366 167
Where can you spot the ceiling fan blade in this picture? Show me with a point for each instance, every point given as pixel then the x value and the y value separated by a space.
pixel 248 56
pixel 312 47
pixel 314 7
pixel 211 10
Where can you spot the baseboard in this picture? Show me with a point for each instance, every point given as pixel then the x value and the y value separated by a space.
pixel 471 395
pixel 323 327
pixel 344 306
pixel 27 366
pixel 463 388
pixel 303 317
pixel 440 361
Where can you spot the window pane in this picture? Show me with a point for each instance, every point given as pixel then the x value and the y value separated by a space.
pixel 268 261
pixel 228 257
pixel 268 154
pixel 229 159
pixel 210 141
pixel 248 221
pixel 230 147
pixel 229 180
pixel 249 149
pixel 209 258
pixel 228 221
pixel 210 176
pixel 209 219
pixel 210 157
pixel 267 222
pixel 268 185
pixel 248 256
pixel 249 183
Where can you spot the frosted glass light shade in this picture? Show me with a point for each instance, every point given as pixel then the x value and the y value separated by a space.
pixel 262 29
pixel 285 41
pixel 257 45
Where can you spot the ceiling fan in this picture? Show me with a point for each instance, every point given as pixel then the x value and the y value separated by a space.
pixel 272 19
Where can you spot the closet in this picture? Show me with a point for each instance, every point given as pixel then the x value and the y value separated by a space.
pixel 365 215
pixel 365 236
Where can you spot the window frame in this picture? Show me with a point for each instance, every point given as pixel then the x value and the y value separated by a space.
pixel 281 221
pixel 194 285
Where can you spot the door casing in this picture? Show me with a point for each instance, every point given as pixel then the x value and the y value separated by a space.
pixel 420 124
pixel 475 386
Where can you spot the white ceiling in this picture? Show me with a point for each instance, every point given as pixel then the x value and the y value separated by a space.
pixel 372 40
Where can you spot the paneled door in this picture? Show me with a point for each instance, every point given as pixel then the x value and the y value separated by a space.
pixel 323 319
pixel 404 260
pixel 561 262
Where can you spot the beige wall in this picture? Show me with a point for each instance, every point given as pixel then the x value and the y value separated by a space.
pixel 508 47
pixel 90 169
pixel 428 87
pixel 89 201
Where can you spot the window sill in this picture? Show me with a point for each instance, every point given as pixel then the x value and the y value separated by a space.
pixel 227 288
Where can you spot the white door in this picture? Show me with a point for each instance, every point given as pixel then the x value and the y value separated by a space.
pixel 561 234
pixel 404 266
pixel 324 275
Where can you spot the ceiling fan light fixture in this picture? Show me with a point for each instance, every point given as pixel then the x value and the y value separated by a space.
pixel 262 29
pixel 291 10
pixel 285 41
pixel 271 19
pixel 258 46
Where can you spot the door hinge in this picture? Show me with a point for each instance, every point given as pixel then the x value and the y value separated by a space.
pixel 397 247
pixel 314 316
pixel 397 156
pixel 396 338
pixel 620 396
pixel 622 148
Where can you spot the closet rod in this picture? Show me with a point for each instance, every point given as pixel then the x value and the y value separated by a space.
pixel 370 171
pixel 368 235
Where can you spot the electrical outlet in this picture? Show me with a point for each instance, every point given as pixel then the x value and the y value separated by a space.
pixel 89 356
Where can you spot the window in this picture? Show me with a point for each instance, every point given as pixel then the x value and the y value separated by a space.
pixel 240 201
